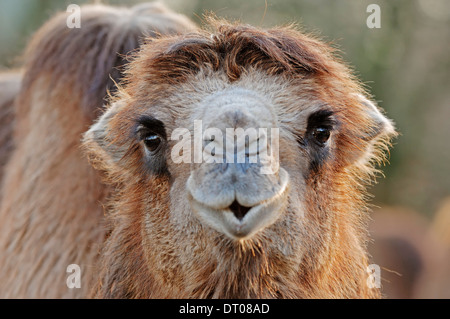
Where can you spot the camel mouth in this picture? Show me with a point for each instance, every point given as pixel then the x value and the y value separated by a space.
pixel 238 221
pixel 238 210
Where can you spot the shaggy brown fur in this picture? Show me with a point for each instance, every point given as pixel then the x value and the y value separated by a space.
pixel 51 214
pixel 9 89
pixel 158 248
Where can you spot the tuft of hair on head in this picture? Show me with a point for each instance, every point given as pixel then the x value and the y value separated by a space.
pixel 89 60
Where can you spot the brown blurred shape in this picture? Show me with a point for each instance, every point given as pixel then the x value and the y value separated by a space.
pixel 413 253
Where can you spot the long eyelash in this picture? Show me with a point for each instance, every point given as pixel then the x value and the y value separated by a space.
pixel 147 125
pixel 321 118
pixel 142 132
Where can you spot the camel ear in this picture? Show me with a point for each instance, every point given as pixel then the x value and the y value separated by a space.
pixel 380 127
pixel 378 131
pixel 99 143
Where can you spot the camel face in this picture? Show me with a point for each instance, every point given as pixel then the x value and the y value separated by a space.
pixel 238 189
pixel 238 157
pixel 284 136
pixel 258 182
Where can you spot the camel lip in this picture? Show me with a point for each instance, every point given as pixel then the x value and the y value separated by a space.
pixel 224 220
pixel 255 219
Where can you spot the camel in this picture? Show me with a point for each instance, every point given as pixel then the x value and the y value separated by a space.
pixel 51 210
pixel 184 227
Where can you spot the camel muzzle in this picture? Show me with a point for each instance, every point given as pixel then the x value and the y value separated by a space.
pixel 236 212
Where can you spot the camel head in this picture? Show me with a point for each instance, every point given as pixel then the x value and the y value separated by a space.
pixel 239 150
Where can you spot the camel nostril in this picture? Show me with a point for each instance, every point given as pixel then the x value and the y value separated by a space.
pixel 238 210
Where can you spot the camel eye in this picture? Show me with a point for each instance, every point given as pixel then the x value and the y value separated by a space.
pixel 321 134
pixel 152 142
pixel 151 132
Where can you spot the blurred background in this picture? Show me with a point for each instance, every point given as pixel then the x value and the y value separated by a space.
pixel 406 65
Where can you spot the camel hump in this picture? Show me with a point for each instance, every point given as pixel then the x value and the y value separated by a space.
pixel 86 60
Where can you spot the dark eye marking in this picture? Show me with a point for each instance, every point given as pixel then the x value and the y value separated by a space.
pixel 148 126
pixel 320 125
pixel 152 133
pixel 321 118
